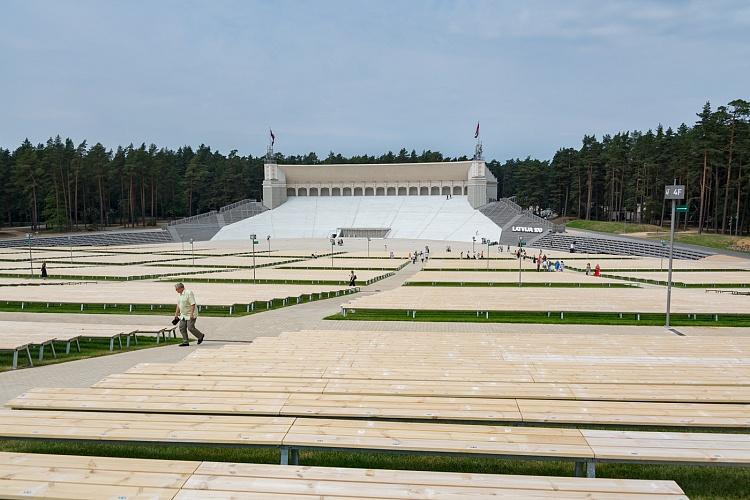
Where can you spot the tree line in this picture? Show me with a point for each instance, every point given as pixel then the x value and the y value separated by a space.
pixel 62 185
pixel 622 177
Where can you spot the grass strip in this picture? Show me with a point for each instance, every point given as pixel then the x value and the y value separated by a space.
pixel 568 318
pixel 515 284
pixel 233 310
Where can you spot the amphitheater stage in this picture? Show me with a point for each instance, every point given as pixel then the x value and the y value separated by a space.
pixel 434 218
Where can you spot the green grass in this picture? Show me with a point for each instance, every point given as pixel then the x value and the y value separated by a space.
pixel 507 284
pixel 613 227
pixel 90 348
pixel 157 309
pixel 696 482
pixel 570 318
pixel 720 241
pixel 277 281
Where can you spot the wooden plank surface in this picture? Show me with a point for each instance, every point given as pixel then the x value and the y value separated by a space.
pixel 102 426
pixel 69 477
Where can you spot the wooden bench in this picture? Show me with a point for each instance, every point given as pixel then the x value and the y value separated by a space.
pixel 445 409
pixel 20 342
pixel 226 480
pixel 144 427
pixel 584 447
pixel 31 475
pixel 26 475
pixel 14 347
pixel 135 379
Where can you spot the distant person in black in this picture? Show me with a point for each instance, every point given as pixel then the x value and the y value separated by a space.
pixel 352 279
pixel 44 270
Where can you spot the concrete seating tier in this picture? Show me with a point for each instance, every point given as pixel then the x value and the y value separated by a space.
pixel 615 245
pixel 25 475
pixel 104 238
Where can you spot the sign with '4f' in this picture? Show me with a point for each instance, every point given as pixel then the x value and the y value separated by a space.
pixel 675 192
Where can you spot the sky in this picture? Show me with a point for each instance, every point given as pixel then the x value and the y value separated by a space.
pixel 359 76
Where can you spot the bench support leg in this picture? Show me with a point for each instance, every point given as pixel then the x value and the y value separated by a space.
pixel 41 352
pixel 284 455
pixel 294 456
pixel 112 344
pixel 28 353
pixel 78 345
pixel 67 347
pixel 590 469
pixel 15 360
pixel 52 346
pixel 585 468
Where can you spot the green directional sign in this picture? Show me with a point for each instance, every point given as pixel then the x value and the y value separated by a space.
pixel 682 208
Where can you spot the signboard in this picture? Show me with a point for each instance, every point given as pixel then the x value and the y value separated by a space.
pixel 674 192
pixel 527 229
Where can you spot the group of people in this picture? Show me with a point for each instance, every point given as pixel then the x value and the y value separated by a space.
pixel 424 255
pixel 545 264
pixel 473 255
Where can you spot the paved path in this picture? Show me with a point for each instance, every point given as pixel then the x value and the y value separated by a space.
pixel 85 372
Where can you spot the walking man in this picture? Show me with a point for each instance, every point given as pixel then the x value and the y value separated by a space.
pixel 187 313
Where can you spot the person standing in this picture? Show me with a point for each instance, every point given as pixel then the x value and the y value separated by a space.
pixel 588 269
pixel 597 271
pixel 187 314
pixel 352 279
pixel 44 270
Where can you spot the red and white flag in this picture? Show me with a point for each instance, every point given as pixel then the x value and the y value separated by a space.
pixel 273 137
pixel 476 132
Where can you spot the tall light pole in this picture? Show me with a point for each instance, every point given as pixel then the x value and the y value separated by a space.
pixel 252 238
pixel 368 247
pixel 473 240
pixel 192 250
pixel 674 192
pixel 70 245
pixel 268 239
pixel 31 258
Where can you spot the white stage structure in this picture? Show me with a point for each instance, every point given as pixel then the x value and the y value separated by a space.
pixel 409 217
pixel 435 201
